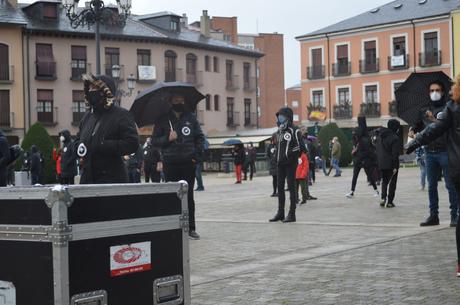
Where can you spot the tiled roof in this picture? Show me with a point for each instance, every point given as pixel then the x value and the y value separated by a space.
pixel 10 15
pixel 393 12
pixel 154 15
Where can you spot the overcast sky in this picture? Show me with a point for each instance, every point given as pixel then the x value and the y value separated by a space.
pixel 289 17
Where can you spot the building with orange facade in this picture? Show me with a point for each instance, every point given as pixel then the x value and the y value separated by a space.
pixel 353 67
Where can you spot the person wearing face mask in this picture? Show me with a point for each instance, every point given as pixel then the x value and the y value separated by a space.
pixel 289 146
pixel 107 133
pixel 68 160
pixel 178 134
pixel 436 157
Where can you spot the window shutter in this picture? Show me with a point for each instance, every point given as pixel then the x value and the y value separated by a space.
pixel 79 52
pixel 45 95
pixel 342 51
pixel 369 45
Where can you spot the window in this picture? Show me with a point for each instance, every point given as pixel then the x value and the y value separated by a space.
pixel 46 66
pixel 170 66
pixel 216 103
pixel 296 118
pixel 399 46
pixel 208 102
pixel 432 55
pixel 231 119
pixel 342 54
pixel 370 52
pixel 318 98
pixel 216 64
pixel 247 75
pixel 78 105
pixel 78 54
pixel 316 57
pixel 431 42
pixel 5 108
pixel 190 67
pixel 343 96
pixel 227 37
pixel 396 86
pixel 247 112
pixel 112 58
pixel 295 104
pixel 143 57
pixel 342 66
pixel 207 63
pixel 371 94
pixel 49 11
pixel 229 72
pixel 4 62
pixel 45 106
pixel 174 25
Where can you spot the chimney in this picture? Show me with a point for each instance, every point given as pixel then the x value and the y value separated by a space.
pixel 184 20
pixel 87 4
pixel 13 3
pixel 205 24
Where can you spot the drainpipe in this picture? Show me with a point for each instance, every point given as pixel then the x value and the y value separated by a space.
pixel 257 93
pixel 329 79
pixel 28 82
pixel 415 47
pixel 23 83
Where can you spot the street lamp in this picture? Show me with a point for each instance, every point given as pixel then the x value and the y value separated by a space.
pixel 116 72
pixel 96 14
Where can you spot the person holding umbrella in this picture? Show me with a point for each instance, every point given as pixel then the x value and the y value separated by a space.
pixel 239 158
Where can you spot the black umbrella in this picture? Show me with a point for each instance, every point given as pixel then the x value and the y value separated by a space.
pixel 152 103
pixel 413 95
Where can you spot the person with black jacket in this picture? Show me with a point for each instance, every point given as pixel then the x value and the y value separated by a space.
pixel 239 159
pixel 4 159
pixel 135 165
pixel 250 162
pixel 363 156
pixel 35 165
pixel 447 125
pixel 289 147
pixel 273 164
pixel 388 145
pixel 107 133
pixel 151 157
pixel 181 140
pixel 68 158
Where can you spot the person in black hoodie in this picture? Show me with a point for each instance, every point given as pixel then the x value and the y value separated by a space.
pixel 68 158
pixel 151 157
pixel 388 145
pixel 363 156
pixel 181 140
pixel 288 148
pixel 35 165
pixel 107 133
pixel 4 159
pixel 135 165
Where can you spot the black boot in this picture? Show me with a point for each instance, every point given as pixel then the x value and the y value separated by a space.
pixel 433 220
pixel 290 217
pixel 278 217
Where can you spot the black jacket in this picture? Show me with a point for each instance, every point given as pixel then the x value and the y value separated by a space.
pixel 68 156
pixel 4 153
pixel 289 142
pixel 108 135
pixel 239 156
pixel 364 152
pixel 151 155
pixel 448 125
pixel 190 139
pixel 271 156
pixel 135 160
pixel 35 161
pixel 387 147
pixel 440 144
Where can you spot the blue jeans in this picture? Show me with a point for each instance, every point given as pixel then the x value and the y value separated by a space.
pixel 199 178
pixel 435 162
pixel 422 165
pixel 335 164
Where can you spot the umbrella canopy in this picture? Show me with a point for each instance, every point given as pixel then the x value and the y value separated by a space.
pixel 413 94
pixel 311 138
pixel 153 103
pixel 231 142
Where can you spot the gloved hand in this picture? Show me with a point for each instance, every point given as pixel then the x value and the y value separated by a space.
pixel 411 146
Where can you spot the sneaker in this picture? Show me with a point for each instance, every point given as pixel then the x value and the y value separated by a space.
pixel 274 195
pixel 422 188
pixel 310 197
pixel 201 189
pixel 238 182
pixel 303 201
pixel 350 195
pixel 390 205
pixel 193 235
pixel 458 271
pixel 376 194
pixel 383 202
pixel 430 221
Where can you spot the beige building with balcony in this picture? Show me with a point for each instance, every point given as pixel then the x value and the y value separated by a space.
pixel 150 48
pixel 353 67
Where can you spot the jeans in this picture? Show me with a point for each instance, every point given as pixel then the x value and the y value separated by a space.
pixel 422 165
pixel 435 162
pixel 335 164
pixel 199 177
pixel 326 171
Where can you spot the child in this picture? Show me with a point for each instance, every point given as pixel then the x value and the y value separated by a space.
pixel 301 176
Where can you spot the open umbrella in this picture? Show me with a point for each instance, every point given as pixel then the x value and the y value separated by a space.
pixel 413 95
pixel 152 103
pixel 231 142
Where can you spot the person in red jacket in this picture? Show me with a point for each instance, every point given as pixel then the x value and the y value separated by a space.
pixel 57 158
pixel 301 176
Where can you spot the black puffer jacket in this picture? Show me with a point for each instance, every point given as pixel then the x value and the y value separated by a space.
pixel 364 153
pixel 190 138
pixel 448 125
pixel 109 135
pixel 388 147
pixel 68 156
pixel 151 155
pixel 4 152
pixel 271 156
pixel 239 156
pixel 440 144
pixel 289 140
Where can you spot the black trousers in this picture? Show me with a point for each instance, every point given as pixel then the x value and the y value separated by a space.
pixel 275 184
pixel 151 173
pixel 184 171
pixel 3 177
pixel 287 172
pixel 356 169
pixel 67 180
pixel 251 167
pixel 389 181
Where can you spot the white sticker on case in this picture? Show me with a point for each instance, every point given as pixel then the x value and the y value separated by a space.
pixel 7 293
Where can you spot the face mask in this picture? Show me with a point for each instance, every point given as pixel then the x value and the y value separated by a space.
pixel 95 98
pixel 178 107
pixel 62 138
pixel 435 96
pixel 281 120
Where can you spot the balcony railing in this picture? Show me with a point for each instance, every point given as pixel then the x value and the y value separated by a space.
pixel 76 72
pixel 200 116
pixel 195 79
pixel 342 69
pixel 109 71
pixel 393 108
pixel 316 72
pixel 430 59
pixel 6 120
pixel 250 119
pixel 232 83
pixel 6 74
pixel 47 118
pixel 400 62
pixel 233 119
pixel 370 110
pixel 77 116
pixel 369 67
pixel 249 84
pixel 315 108
pixel 343 112
pixel 45 70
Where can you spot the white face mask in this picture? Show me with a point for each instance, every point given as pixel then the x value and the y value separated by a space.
pixel 62 138
pixel 435 96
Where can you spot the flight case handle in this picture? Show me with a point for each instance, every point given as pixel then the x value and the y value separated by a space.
pixel 168 290
pixel 90 298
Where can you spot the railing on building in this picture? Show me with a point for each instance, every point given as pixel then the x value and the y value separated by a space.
pixel 370 110
pixel 109 68
pixel 77 71
pixel 315 108
pixel 250 119
pixel 232 83
pixel 341 69
pixel 343 111
pixel 400 62
pixel 6 74
pixel 369 67
pixel 393 108
pixel 233 119
pixel 430 59
pixel 77 115
pixel 6 120
pixel 200 116
pixel 47 118
pixel 316 72
pixel 249 84
pixel 195 79
pixel 45 70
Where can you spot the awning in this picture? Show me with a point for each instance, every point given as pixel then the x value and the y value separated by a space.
pixel 217 143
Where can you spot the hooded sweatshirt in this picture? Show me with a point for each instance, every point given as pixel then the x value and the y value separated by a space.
pixel 290 143
pixel 4 152
pixel 388 146
pixel 68 156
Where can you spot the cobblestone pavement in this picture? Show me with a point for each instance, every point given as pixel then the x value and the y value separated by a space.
pixel 340 251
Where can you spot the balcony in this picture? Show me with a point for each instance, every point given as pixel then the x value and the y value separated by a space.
pixel 370 110
pixel 200 116
pixel 174 75
pixel 343 111
pixel 250 119
pixel 77 116
pixel 6 120
pixel 233 119
pixel 232 83
pixel 393 108
pixel 369 67
pixel 342 69
pixel 6 74
pixel 195 79
pixel 45 70
pixel 249 84
pixel 316 108
pixel 76 71
pixel 400 62
pixel 316 72
pixel 47 118
pixel 430 59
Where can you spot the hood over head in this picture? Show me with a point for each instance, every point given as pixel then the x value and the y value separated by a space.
pixel 361 130
pixel 66 134
pixel 104 83
pixel 394 125
pixel 34 148
pixel 287 112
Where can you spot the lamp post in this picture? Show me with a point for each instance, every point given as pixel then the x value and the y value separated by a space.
pixel 96 13
pixel 116 72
